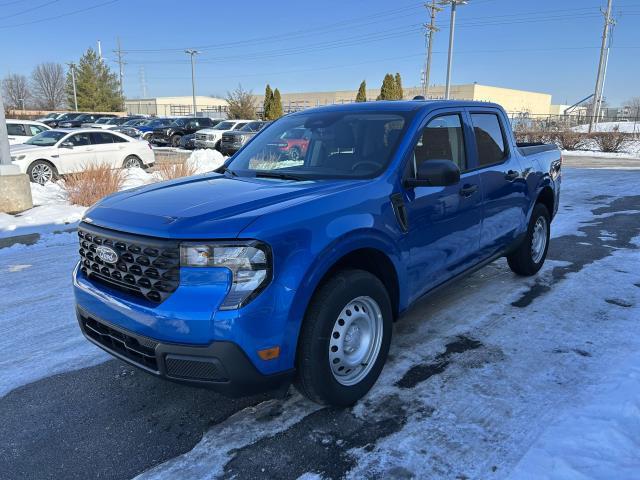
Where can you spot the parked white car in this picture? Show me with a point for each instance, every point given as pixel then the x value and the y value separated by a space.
pixel 19 131
pixel 211 137
pixel 57 152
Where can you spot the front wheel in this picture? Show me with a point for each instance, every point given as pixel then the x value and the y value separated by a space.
pixel 175 140
pixel 42 172
pixel 530 255
pixel 132 162
pixel 344 339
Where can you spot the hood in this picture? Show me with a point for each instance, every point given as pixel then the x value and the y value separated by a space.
pixel 22 148
pixel 210 206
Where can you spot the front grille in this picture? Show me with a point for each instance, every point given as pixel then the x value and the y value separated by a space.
pixel 201 136
pixel 226 138
pixel 198 369
pixel 141 352
pixel 145 267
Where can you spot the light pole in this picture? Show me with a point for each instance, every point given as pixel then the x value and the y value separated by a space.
pixel 192 53
pixel 454 4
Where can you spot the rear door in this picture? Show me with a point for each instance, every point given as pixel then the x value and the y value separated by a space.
pixel 106 151
pixel 443 223
pixel 17 133
pixel 502 181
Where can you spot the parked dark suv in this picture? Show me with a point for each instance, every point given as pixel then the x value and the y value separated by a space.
pixel 172 134
pixel 55 122
pixel 234 140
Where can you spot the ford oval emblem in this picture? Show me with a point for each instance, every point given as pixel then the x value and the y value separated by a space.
pixel 106 254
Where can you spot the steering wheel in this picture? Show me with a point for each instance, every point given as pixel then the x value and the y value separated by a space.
pixel 365 162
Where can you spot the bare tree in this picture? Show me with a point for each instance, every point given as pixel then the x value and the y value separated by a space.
pixel 15 90
pixel 47 82
pixel 633 103
pixel 242 104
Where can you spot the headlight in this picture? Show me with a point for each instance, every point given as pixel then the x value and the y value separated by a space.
pixel 17 157
pixel 242 138
pixel 249 263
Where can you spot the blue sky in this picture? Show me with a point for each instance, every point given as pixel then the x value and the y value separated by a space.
pixel 545 45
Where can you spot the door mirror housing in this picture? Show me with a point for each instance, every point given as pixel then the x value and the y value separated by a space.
pixel 66 144
pixel 435 173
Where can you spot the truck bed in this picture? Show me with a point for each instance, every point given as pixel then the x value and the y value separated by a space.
pixel 536 147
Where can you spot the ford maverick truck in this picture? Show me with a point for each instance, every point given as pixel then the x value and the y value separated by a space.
pixel 275 269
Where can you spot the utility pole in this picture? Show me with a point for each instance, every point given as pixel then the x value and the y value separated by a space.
pixel 452 24
pixel 597 95
pixel 193 53
pixel 100 51
pixel 72 67
pixel 430 29
pixel 121 64
pixel 143 82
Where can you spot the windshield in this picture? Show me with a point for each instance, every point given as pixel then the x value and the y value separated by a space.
pixel 178 122
pixel 251 127
pixel 323 145
pixel 224 126
pixel 103 120
pixel 158 123
pixel 46 139
pixel 132 123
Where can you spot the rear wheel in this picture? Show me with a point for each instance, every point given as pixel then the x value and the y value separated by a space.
pixel 42 172
pixel 344 339
pixel 294 153
pixel 530 255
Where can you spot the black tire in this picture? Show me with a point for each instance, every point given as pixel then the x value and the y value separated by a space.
pixel 175 140
pixel 314 377
pixel 35 169
pixel 521 260
pixel 217 146
pixel 295 153
pixel 132 161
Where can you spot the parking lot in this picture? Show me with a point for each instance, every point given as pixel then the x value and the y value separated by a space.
pixel 478 376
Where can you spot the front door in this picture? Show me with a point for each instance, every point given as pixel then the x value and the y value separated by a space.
pixel 444 223
pixel 77 156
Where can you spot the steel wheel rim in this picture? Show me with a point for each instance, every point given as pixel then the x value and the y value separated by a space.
pixel 356 339
pixel 131 163
pixel 41 173
pixel 539 239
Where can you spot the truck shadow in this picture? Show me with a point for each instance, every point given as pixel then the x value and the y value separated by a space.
pixel 111 420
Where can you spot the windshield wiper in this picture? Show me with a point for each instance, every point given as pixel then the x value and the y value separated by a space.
pixel 280 175
pixel 225 169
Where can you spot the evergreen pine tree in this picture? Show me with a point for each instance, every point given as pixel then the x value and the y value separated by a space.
pixel 267 107
pixel 277 105
pixel 362 92
pixel 388 89
pixel 97 87
pixel 399 92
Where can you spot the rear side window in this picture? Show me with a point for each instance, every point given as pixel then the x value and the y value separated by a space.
pixel 16 129
pixel 489 138
pixel 36 129
pixel 239 126
pixel 441 139
pixel 117 139
pixel 101 137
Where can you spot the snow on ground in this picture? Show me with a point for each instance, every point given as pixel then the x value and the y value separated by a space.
pixel 630 149
pixel 625 127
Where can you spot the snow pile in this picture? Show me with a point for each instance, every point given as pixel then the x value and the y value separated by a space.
pixel 206 160
pixel 630 148
pixel 595 439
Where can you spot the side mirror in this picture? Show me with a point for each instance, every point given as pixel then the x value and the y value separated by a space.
pixel 435 173
pixel 66 144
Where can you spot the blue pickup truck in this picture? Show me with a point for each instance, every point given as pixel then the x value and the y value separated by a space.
pixel 275 270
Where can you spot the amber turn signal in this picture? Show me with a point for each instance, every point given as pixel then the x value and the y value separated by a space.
pixel 269 353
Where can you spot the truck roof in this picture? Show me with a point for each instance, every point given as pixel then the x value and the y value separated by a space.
pixel 401 105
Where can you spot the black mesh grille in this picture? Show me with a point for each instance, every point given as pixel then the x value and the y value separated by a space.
pixel 130 347
pixel 196 369
pixel 146 267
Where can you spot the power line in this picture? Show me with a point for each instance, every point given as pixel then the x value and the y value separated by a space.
pixel 55 17
pixel 42 5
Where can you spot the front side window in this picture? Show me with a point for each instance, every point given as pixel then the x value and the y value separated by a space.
pixel 342 144
pixel 79 139
pixel 16 129
pixel 441 139
pixel 489 138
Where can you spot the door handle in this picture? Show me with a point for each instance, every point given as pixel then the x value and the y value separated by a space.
pixel 511 175
pixel 467 190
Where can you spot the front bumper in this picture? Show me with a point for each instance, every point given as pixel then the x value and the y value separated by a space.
pixel 230 148
pixel 206 143
pixel 221 366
